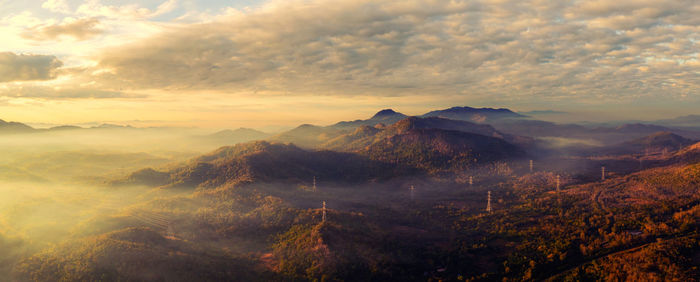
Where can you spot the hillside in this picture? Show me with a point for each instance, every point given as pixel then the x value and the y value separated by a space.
pixel 307 135
pixel 687 155
pixel 435 149
pixel 655 144
pixel 261 161
pixel 134 254
pixel 365 136
pixel 362 137
pixel 386 117
pixel 411 146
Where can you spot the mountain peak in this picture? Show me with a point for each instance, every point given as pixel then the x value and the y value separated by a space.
pixel 385 113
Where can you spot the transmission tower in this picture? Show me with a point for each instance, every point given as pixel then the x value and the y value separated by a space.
pixel 170 232
pixel 602 173
pixel 488 203
pixel 314 187
pixel 323 218
pixel 471 180
pixel 531 166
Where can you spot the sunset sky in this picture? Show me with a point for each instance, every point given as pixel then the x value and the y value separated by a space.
pixel 211 63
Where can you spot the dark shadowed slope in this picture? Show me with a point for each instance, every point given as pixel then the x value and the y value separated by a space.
pixel 435 149
pixel 266 162
pixel 365 136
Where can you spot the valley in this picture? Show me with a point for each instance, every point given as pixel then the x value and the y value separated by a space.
pixel 405 199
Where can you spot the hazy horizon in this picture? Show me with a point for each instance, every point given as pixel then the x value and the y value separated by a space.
pixel 551 115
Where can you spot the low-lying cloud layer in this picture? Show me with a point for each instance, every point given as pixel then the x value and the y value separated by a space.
pixel 14 67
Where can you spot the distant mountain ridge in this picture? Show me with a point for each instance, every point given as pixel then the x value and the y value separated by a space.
pixel 655 143
pixel 228 136
pixel 14 127
pixel 480 115
pixel 385 116
pixel 353 135
pixel 411 146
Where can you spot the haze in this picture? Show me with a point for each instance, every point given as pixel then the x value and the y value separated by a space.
pixel 349 140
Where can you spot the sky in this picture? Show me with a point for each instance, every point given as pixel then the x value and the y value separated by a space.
pixel 261 64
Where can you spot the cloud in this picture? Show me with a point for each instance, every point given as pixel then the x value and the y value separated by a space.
pixel 94 8
pixel 69 92
pixel 509 50
pixel 79 29
pixel 57 6
pixel 22 67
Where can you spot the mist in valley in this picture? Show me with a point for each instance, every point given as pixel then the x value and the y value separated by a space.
pixel 390 197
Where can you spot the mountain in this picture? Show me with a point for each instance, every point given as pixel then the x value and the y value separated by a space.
pixel 364 136
pixel 602 134
pixel 480 115
pixel 411 146
pixel 14 127
pixel 653 144
pixel 134 254
pixel 64 128
pixel 386 116
pixel 356 140
pixel 435 150
pixel 666 140
pixel 239 133
pixel 442 123
pixel 689 121
pixel 633 128
pixel 109 125
pixel 542 112
pixel 687 155
pixel 307 135
pixel 261 161
pixel 226 137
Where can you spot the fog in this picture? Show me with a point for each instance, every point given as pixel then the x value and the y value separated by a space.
pixel 59 207
pixel 172 204
pixel 53 185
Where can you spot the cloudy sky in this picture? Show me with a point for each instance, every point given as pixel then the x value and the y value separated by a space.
pixel 214 63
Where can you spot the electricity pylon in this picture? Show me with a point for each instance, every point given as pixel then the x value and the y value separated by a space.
pixel 488 203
